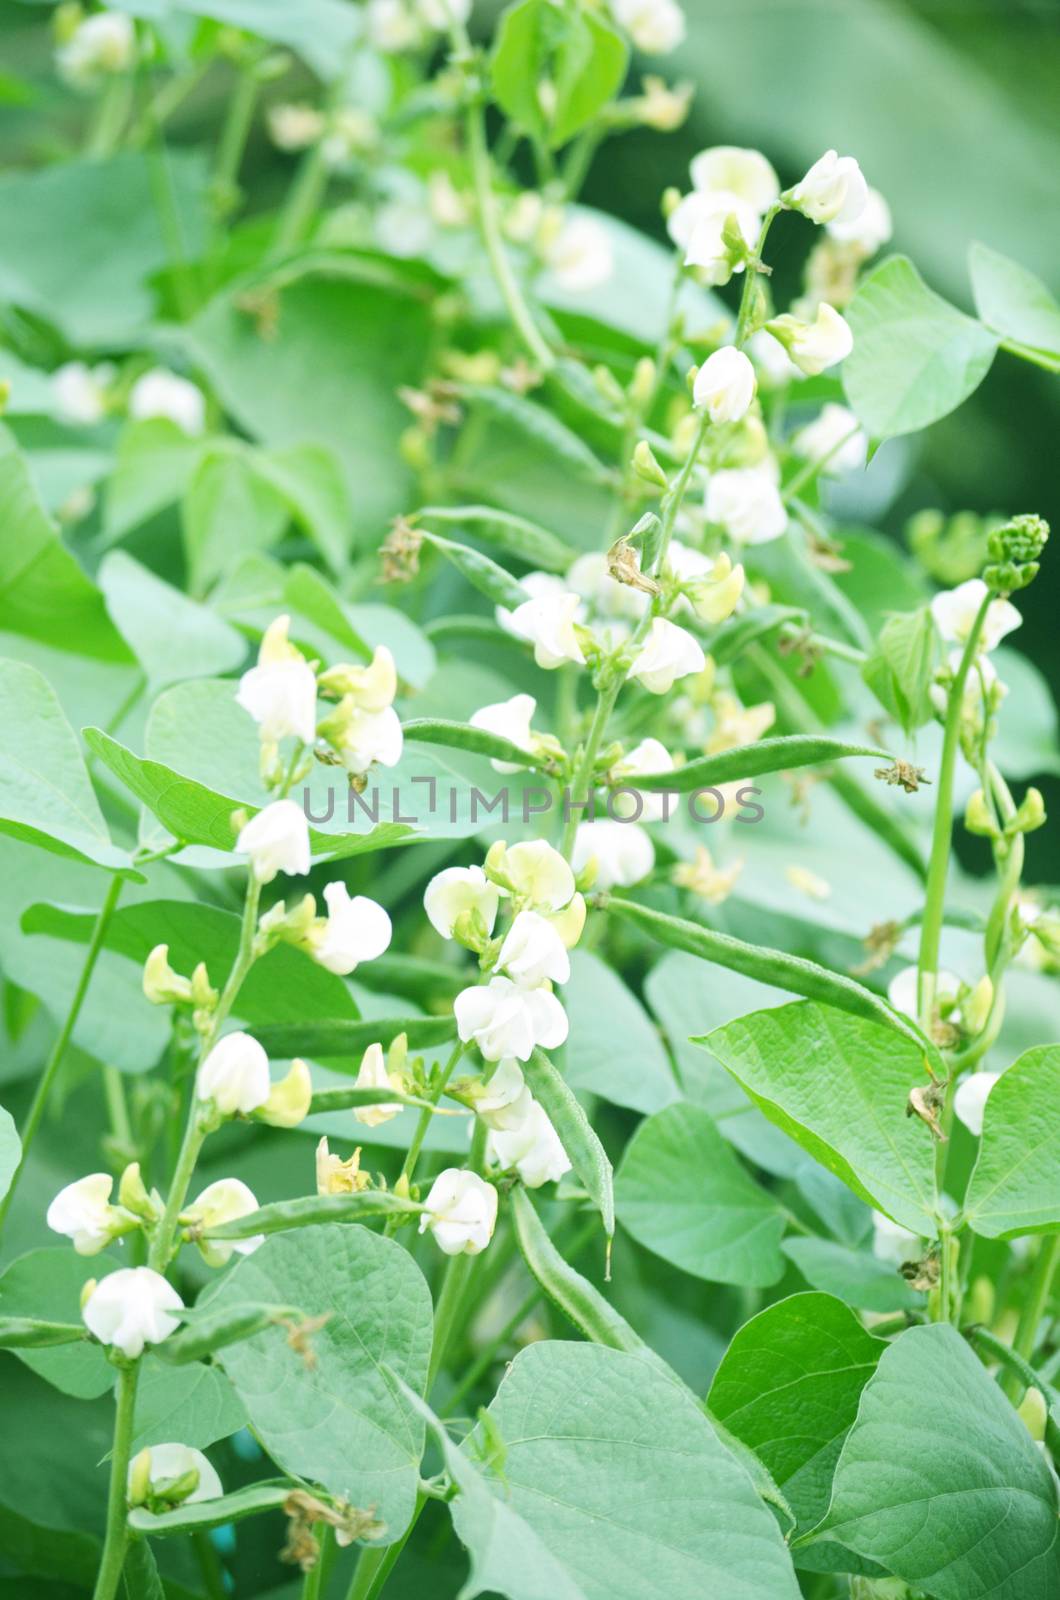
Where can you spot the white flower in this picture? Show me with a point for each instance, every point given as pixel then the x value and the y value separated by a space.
pixel 294 127
pixel 370 688
pixel 539 586
pixel 224 1201
pixel 391 26
pixel 461 1212
pixel 537 873
pixel 981 686
pixel 162 394
pixel 276 840
pixel 655 26
pixel 651 755
pixel 235 1075
pixel 725 385
pixel 834 439
pixel 549 625
pixel 289 1098
pixel 456 891
pixel 833 190
pixel 82 1211
pixel 504 1100
pixel 955 610
pixel 371 737
pixel 775 367
pixel 373 1075
pixel 969 1102
pixel 869 230
pixel 510 719
pixel 533 952
pixel 102 44
pixel 903 987
pixel 590 577
pixel 280 693
pixel 712 588
pixel 534 1149
pixel 736 171
pixel 891 1242
pixel 81 392
pixel 441 14
pixel 130 1308
pixel 160 1464
pixel 505 1020
pixel 702 222
pixel 814 346
pixel 746 502
pixel 668 653
pixel 356 930
pixel 580 257
pixel 622 851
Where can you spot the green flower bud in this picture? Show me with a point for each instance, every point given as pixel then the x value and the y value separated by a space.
pixel 139 1478
pixel 1015 550
pixel 977 817
pixel 646 466
pixel 1030 815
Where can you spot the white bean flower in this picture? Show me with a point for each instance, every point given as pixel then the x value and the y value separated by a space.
pixel 969 1103
pixel 391 26
pixel 294 127
pixel 893 1243
pixel 357 929
pixel 733 169
pixel 533 952
pixel 955 610
pixel 160 393
pixel 130 1308
pixel 590 577
pixel 550 625
pixel 503 1019
pixel 159 1466
pixel 82 1211
pixel 510 719
pixel 80 391
pixel 235 1076
pixel 370 738
pixel 870 230
pixel 369 688
pixel 814 346
pixel 534 871
pixel 746 502
pixel 833 190
pixel 224 1201
pixel 276 840
pixel 461 1212
pixel 580 257
pixel 99 47
pixel 622 851
pixel 441 14
pixel 534 1149
pixel 725 385
pixel 539 586
pixel 717 232
pixel 835 439
pixel 982 686
pixel 668 653
pixel 289 1098
pixel 650 755
pixel 903 988
pixel 457 892
pixel 373 1074
pixel 655 26
pixel 280 693
pixel 503 1100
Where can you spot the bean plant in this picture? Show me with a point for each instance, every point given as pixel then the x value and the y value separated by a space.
pixel 529 1046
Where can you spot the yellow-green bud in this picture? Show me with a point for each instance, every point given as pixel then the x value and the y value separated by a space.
pixel 670 201
pixel 609 386
pixel 642 387
pixel 163 986
pixel 133 1195
pixel 1034 1413
pixel 976 1006
pixel 139 1477
pixel 982 1300
pixel 398 1054
pixel 494 865
pixel 288 1102
pixel 647 467
pixel 977 817
pixel 1030 815
pixel 5 394
pixel 88 1289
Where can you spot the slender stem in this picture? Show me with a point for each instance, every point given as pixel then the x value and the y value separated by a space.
pixel 747 298
pixel 171 224
pixel 1038 1292
pixel 412 1155
pixel 47 1079
pixel 938 866
pixel 581 778
pixel 303 200
pixel 111 112
pixel 235 132
pixel 171 95
pixel 676 494
pixel 117 1107
pixel 813 469
pixel 313 1586
pixel 1025 1376
pixel 113 1558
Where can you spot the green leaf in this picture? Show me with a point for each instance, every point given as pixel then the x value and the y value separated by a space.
pixel 141 1572
pixel 201 1515
pixel 171 636
pixel 682 1193
pixel 309 480
pixel 734 636
pixel 750 761
pixel 343 1424
pixel 840 1087
pixel 852 1275
pixel 10 1150
pixel 46 796
pixel 1015 1187
pixel 577 1135
pixel 900 669
pixel 481 572
pixel 48 1283
pixel 613 1048
pixel 539 430
pixel 461 736
pixel 577 54
pixel 154 464
pixel 517 535
pixel 612 1485
pixel 230 510
pixel 322 32
pixel 915 357
pixel 349 1040
pixel 193 1405
pixel 940 1481
pixel 775 967
pixel 789 1386
pixel 312 1209
pixel 1016 305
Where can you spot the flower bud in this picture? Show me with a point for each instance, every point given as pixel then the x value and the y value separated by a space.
pixel 642 386
pixel 569 922
pixel 977 817
pixel 725 385
pixel 373 1074
pixel 235 1076
pixel 1030 814
pixel 280 693
pixel 976 1006
pixel 372 688
pixel 288 1102
pixel 814 346
pixel 163 986
pixel 833 190
pixel 139 1480
pixel 133 1195
pixel 1015 551
pixel 647 467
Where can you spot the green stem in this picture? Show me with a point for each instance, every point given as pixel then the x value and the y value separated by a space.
pixel 938 866
pixel 113 1558
pixel 303 200
pixel 581 778
pixel 117 1108
pixel 235 132
pixel 676 494
pixel 813 469
pixel 162 106
pixel 412 1155
pixel 313 1587
pixel 109 120
pixel 747 298
pixel 58 1050
pixel 1038 1292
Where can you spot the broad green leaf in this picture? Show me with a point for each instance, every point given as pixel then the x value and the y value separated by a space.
pixel 613 1048
pixel 749 761
pixel 43 592
pixel 46 796
pixel 200 1515
pixel 323 32
pixel 310 481
pixel 541 430
pixel 774 967
pixel 915 357
pixel 154 464
pixel 481 572
pixel 612 1485
pixel 341 1424
pixel 461 736
pixel 940 1481
pixel 193 1405
pixel 230 510
pixel 900 669
pixel 141 1572
pixel 47 1283
pixel 577 53
pixel 789 1386
pixel 1017 305
pixel 1028 738
pixel 171 636
pixel 682 1193
pixel 852 1275
pixel 1015 1187
pixel 10 1152
pixel 577 1135
pixel 840 1087
pixel 734 636
pixel 350 1039
pixel 516 535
